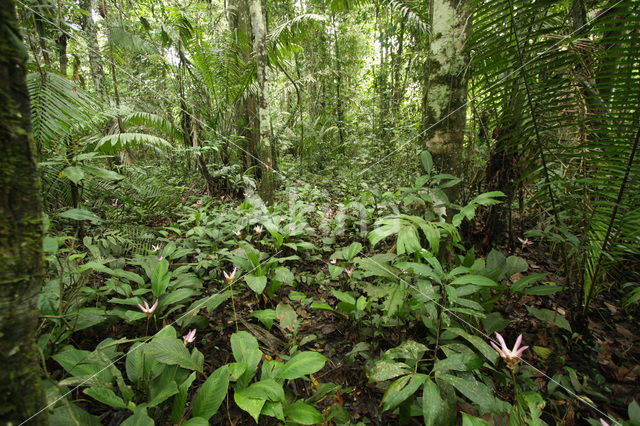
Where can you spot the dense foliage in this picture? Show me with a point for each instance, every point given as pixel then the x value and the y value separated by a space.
pixel 321 211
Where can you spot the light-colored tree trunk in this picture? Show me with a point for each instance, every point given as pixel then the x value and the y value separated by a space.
pixel 259 30
pixel 93 49
pixel 444 113
pixel 21 272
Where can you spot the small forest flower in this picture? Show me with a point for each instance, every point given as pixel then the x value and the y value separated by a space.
pixel 525 242
pixel 190 337
pixel 604 423
pixel 333 261
pixel 155 248
pixel 148 310
pixel 199 202
pixel 349 271
pixel 511 356
pixel 229 277
pixel 258 229
pixel 114 202
pixel 160 258
pixel 237 233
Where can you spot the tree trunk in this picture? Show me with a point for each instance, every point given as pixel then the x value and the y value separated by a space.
pixel 446 87
pixel 259 30
pixel 21 272
pixel 93 49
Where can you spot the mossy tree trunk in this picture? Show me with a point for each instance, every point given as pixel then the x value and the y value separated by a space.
pixel 20 235
pixel 444 112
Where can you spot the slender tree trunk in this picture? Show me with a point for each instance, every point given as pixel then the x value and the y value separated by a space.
pixel 446 87
pixel 259 29
pixel 21 272
pixel 339 109
pixel 93 49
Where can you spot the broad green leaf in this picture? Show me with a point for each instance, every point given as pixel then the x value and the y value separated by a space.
pixel 160 278
pixel 265 316
pixel 196 421
pixel 386 370
pixel 550 316
pixel 468 420
pixel 267 389
pixel 284 275
pixel 256 283
pixel 351 251
pixel 171 351
pixel 401 389
pixel 103 173
pixel 273 409
pixel 432 403
pixel 74 174
pixel 525 282
pixel 134 362
pixel 50 245
pixel 287 316
pixel 81 214
pixel 478 280
pixel 180 399
pixel 408 349
pixel 106 396
pixel 245 350
pixel 303 413
pixel 456 362
pixel 427 161
pixel 302 364
pixel 211 393
pixel 476 391
pixel 139 418
pixel 252 406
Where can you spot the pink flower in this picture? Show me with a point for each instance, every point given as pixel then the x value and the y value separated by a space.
pixel 525 242
pixel 114 203
pixel 511 356
pixel 190 337
pixel 160 258
pixel 199 202
pixel 349 271
pixel 148 310
pixel 604 423
pixel 229 277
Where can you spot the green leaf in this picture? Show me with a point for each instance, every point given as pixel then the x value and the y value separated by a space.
pixel 196 421
pixel 245 350
pixel 478 280
pixel 457 362
pixel 160 278
pixel 106 396
pixel 302 413
pixel 171 351
pixel 50 245
pixel 402 389
pixel 103 173
pixel 256 283
pixel 134 362
pixel 267 389
pixel 81 214
pixel 550 316
pixel 252 406
pixel 525 282
pixel 211 393
pixel 302 364
pixel 265 316
pixel 476 391
pixel 181 398
pixel 468 420
pixel 351 251
pixel 273 409
pixel 287 316
pixel 408 349
pixel 74 174
pixel 283 275
pixel 427 161
pixel 432 403
pixel 634 413
pixel 386 370
pixel 139 418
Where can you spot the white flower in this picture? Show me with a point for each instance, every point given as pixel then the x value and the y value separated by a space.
pixel 148 310
pixel 511 356
pixel 155 248
pixel 333 261
pixel 190 337
pixel 258 229
pixel 229 277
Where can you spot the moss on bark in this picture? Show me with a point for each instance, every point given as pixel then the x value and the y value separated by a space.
pixel 20 235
